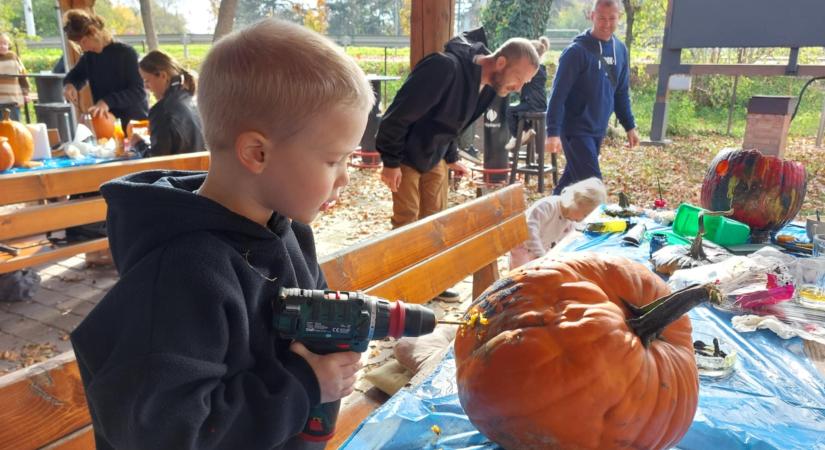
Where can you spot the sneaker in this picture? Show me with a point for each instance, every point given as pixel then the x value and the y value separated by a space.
pixel 469 157
pixel 449 295
pixel 527 135
pixel 511 144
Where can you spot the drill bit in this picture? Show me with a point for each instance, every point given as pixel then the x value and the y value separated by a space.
pixel 451 322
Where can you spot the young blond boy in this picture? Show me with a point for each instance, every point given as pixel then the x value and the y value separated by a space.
pixel 180 353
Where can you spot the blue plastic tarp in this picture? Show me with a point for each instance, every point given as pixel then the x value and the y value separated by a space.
pixel 62 162
pixel 774 398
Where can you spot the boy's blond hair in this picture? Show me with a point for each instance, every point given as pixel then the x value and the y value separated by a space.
pixel 270 78
pixel 588 193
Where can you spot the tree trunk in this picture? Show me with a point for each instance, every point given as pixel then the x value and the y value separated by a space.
pixel 226 19
pixel 630 12
pixel 148 25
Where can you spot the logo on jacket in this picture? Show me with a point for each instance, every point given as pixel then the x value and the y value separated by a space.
pixel 491 115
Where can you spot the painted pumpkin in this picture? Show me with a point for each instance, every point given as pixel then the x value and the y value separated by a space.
pixel 576 352
pixel 6 154
pixel 104 125
pixel 20 139
pixel 765 192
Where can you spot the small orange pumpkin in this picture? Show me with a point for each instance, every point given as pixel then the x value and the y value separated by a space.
pixel 19 137
pixel 574 353
pixel 6 154
pixel 104 125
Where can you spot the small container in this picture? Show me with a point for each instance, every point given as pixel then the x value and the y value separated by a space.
pixel 657 241
pixel 819 245
pixel 715 357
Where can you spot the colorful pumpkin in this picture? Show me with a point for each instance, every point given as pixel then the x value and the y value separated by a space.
pixel 20 139
pixel 562 354
pixel 6 154
pixel 765 192
pixel 104 125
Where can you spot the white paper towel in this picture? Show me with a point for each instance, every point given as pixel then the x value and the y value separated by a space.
pixel 42 150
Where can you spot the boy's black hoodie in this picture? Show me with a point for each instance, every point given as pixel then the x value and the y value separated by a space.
pixel 438 100
pixel 180 353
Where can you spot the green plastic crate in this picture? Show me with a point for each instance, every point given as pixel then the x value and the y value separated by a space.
pixel 719 229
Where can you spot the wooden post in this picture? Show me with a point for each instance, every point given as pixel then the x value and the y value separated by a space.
pixel 431 26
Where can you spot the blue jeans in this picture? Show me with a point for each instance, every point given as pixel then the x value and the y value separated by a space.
pixel 582 155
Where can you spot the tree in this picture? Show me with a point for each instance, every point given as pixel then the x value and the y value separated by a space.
pixel 631 7
pixel 226 19
pixel 316 18
pixel 505 19
pixel 165 19
pixel 124 20
pixel 148 25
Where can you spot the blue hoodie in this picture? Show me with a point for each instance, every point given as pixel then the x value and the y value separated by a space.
pixel 180 353
pixel 583 96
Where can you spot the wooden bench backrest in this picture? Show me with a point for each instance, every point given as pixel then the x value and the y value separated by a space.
pixel 39 185
pixel 44 405
pixel 417 262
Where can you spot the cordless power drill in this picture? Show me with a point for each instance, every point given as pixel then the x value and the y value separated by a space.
pixel 328 321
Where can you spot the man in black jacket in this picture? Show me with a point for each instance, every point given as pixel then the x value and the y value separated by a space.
pixel 445 93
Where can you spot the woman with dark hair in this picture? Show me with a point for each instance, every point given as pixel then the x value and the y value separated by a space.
pixel 174 124
pixel 110 68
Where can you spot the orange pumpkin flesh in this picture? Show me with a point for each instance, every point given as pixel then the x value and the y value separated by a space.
pixel 19 137
pixel 549 357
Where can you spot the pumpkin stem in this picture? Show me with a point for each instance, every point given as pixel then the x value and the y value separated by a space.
pixel 697 251
pixel 660 313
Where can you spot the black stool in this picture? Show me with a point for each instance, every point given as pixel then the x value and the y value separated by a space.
pixel 533 155
pixel 57 115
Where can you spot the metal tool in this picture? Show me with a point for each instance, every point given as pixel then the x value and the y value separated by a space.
pixel 329 321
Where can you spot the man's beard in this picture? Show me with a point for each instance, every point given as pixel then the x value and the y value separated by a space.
pixel 497 83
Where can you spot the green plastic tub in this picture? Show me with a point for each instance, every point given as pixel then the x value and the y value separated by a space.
pixel 719 229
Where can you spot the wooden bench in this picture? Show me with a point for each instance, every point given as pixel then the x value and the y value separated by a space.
pixel 22 230
pixel 44 405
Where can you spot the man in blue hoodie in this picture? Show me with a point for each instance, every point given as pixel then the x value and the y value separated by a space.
pixel 591 83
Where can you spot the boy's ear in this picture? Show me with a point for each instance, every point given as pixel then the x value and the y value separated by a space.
pixel 251 150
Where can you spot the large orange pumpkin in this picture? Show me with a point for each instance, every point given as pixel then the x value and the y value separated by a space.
pixel 20 139
pixel 6 154
pixel 553 357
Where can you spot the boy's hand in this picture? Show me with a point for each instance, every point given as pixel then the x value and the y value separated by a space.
pixel 335 371
pixel 391 176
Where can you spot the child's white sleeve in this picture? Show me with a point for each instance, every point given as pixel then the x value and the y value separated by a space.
pixel 539 217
